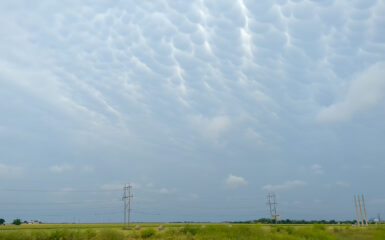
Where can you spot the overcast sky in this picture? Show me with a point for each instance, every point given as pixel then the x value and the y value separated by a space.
pixel 204 106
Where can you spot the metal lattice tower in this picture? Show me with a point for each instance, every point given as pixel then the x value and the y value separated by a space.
pixel 127 196
pixel 272 202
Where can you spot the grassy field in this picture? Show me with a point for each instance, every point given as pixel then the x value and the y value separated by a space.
pixel 188 232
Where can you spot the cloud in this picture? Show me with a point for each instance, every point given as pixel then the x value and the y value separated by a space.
pixel 364 92
pixel 234 182
pixel 193 196
pixel 212 128
pixel 8 171
pixel 253 136
pixel 60 168
pixel 88 168
pixel 163 190
pixel 342 184
pixel 160 83
pixel 112 186
pixel 288 185
pixel 217 125
pixel 317 169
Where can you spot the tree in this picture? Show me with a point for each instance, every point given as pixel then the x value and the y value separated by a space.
pixel 2 221
pixel 16 222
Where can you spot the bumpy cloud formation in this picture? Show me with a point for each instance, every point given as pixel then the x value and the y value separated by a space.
pixel 110 67
pixel 118 88
pixel 364 92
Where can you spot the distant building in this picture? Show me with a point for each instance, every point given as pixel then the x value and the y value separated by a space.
pixel 34 222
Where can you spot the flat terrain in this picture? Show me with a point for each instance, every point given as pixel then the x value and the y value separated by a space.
pixel 188 232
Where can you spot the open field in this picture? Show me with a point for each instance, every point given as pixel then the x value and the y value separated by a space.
pixel 188 231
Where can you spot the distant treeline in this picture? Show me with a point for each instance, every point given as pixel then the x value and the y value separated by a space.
pixel 289 221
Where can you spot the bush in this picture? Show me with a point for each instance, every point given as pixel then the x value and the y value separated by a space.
pixel 90 234
pixel 14 235
pixel 147 233
pixel 110 234
pixel 57 235
pixel 289 230
pixel 319 227
pixel 40 235
pixel 190 229
pixel 63 234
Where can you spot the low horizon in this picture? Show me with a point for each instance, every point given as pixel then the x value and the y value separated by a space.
pixel 203 106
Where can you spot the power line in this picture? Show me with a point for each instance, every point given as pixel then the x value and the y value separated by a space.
pixel 56 191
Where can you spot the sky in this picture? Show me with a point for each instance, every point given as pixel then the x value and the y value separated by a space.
pixel 203 106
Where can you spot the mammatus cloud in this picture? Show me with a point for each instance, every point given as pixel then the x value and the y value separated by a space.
pixel 128 88
pixel 211 128
pixel 60 168
pixel 364 92
pixel 8 171
pixel 234 182
pixel 285 186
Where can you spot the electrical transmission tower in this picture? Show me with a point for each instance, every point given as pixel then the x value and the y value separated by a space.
pixel 272 202
pixel 127 196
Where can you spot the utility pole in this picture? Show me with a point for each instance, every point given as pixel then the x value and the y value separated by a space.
pixel 363 204
pixel 272 202
pixel 127 196
pixel 359 204
pixel 355 204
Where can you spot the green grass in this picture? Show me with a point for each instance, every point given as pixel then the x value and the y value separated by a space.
pixel 202 231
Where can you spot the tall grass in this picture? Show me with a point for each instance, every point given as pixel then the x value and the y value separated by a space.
pixel 197 232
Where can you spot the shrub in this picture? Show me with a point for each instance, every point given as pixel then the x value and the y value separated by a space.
pixel 147 233
pixel 319 227
pixel 14 235
pixel 57 235
pixel 190 229
pixel 40 235
pixel 90 234
pixel 110 234
pixel 289 230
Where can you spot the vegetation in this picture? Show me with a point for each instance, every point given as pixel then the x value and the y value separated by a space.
pixel 2 221
pixel 289 221
pixel 147 233
pixel 16 222
pixel 192 232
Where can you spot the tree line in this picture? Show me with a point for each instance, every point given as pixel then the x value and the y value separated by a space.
pixel 16 221
pixel 291 221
